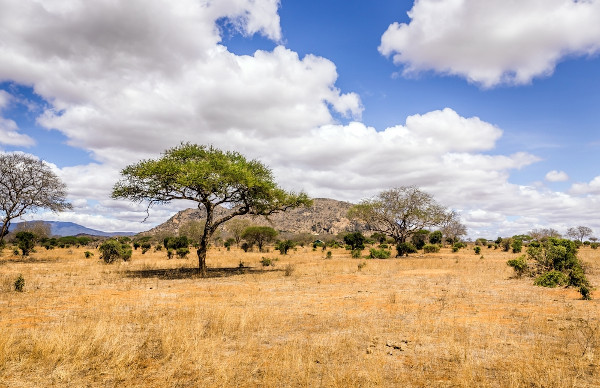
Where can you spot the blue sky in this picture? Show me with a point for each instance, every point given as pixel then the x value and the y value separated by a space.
pixel 490 106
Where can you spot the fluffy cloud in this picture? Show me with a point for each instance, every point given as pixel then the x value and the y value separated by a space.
pixel 591 188
pixel 557 176
pixel 493 42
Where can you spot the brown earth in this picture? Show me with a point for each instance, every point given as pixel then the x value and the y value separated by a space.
pixel 435 320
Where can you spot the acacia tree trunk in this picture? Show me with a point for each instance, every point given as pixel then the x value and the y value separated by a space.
pixel 203 248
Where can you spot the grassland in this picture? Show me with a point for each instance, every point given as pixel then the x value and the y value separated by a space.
pixel 435 320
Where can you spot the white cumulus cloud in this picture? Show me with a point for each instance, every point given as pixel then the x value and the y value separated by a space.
pixel 494 41
pixel 557 176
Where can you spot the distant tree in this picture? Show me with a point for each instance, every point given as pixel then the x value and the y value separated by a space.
pixel 544 233
pixel 436 237
pixel 453 229
pixel 41 230
pixel 192 229
pixel 400 212
pixel 211 178
pixel 27 183
pixel 236 228
pixel 579 233
pixel 259 235
pixel 356 240
pixel 284 246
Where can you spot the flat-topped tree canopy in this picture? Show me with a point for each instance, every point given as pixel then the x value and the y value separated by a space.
pixel 211 178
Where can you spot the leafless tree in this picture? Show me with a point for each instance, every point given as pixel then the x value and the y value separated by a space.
pixel 544 234
pixel 579 233
pixel 400 212
pixel 28 184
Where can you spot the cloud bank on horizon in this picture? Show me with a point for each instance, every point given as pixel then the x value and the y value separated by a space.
pixel 123 81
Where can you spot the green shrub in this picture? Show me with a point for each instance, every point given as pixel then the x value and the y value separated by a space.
pixel 88 254
pixel 552 279
pixel 246 247
pixel 329 255
pixel 146 247
pixel 20 283
pixel 284 246
pixel 477 250
pixel 267 262
pixel 113 250
pixel 594 245
pixel 406 248
pixel 356 253
pixel 519 265
pixel 379 253
pixel 585 293
pixel 431 248
pixel 25 242
pixel 517 246
pixel 182 252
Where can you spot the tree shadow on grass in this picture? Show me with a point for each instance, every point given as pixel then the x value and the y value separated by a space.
pixel 192 273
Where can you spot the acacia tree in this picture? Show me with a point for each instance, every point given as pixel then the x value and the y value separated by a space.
pixel 400 212
pixel 211 178
pixel 27 183
pixel 259 235
pixel 453 229
pixel 579 233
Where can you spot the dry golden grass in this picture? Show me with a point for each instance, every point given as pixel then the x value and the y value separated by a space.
pixel 436 320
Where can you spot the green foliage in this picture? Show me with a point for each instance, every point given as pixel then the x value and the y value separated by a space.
pixel 379 237
pixel 88 254
pixel 551 279
pixel 436 237
pixel 506 244
pixel 25 242
pixel 457 246
pixel 113 250
pixel 356 253
pixel 170 253
pixel 146 247
pixel 420 238
pixel 517 245
pixel 259 235
pixel 176 242
pixel 20 283
pixel 355 240
pixel 405 248
pixel 594 245
pixel 585 292
pixel 431 248
pixel 246 247
pixel 182 252
pixel 329 255
pixel 267 262
pixel 379 253
pixel 229 242
pixel 519 265
pixel 477 250
pixel 284 246
pixel 481 241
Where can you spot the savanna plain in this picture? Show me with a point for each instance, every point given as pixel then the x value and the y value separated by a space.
pixel 430 320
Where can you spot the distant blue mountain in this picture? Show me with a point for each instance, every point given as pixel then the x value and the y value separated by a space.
pixel 59 228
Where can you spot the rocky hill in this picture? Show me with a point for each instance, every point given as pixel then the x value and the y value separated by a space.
pixel 325 216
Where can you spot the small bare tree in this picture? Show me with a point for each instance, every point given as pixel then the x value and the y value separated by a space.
pixel 579 233
pixel 28 184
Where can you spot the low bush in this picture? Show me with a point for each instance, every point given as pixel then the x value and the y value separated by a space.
pixel 88 254
pixel 431 248
pixel 552 279
pixel 356 253
pixel 182 252
pixel 379 253
pixel 405 248
pixel 284 246
pixel 477 250
pixel 267 262
pixel 113 250
pixel 519 265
